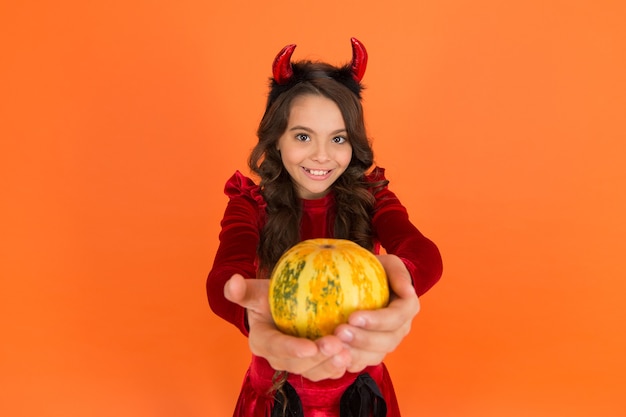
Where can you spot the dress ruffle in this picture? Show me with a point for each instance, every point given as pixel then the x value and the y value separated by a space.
pixel 241 186
pixel 377 174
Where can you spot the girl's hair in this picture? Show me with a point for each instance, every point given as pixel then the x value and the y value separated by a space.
pixel 354 200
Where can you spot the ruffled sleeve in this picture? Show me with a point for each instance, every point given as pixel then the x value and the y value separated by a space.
pixel 399 236
pixel 377 174
pixel 236 253
pixel 241 186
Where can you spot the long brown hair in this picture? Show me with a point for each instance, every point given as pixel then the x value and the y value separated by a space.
pixel 354 202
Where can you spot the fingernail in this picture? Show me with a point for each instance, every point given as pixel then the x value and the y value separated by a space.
pixel 324 349
pixel 358 322
pixel 338 361
pixel 346 335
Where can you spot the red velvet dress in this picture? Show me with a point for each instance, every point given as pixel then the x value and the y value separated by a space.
pixel 243 220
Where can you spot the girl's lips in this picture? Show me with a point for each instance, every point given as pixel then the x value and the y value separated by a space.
pixel 317 173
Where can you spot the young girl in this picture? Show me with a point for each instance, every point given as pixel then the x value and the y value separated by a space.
pixel 317 179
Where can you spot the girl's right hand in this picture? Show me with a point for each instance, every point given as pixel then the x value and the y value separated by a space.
pixel 325 358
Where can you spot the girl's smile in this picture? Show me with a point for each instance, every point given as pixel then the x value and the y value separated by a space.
pixel 317 173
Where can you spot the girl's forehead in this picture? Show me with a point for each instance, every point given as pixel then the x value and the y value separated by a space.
pixel 316 112
pixel 314 106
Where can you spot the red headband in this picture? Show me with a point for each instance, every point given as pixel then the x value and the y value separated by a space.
pixel 283 72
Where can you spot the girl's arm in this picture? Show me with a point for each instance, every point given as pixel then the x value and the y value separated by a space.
pixel 398 236
pixel 413 265
pixel 236 253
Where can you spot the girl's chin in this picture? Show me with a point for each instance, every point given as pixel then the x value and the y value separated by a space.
pixel 312 193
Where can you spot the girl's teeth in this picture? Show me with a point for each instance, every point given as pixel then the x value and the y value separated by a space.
pixel 317 172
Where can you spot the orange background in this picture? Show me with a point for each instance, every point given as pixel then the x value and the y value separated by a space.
pixel 501 125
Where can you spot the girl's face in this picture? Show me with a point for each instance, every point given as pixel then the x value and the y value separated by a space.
pixel 314 148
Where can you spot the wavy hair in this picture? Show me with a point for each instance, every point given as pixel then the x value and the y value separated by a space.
pixel 354 200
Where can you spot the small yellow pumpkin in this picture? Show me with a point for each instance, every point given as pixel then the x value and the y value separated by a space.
pixel 318 283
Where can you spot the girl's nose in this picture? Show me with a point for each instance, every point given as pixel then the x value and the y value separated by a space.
pixel 320 153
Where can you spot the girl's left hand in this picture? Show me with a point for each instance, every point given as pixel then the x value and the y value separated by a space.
pixel 371 335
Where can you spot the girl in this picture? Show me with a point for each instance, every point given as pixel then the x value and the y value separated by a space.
pixel 317 179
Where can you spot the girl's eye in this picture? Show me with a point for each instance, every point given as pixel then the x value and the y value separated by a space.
pixel 339 139
pixel 302 137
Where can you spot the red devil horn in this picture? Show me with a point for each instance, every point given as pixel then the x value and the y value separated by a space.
pixel 359 59
pixel 281 68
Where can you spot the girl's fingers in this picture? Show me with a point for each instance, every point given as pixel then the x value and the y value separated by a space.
pixel 248 293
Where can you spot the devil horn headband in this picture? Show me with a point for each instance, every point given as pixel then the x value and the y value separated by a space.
pixel 283 72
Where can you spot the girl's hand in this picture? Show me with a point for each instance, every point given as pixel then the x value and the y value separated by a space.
pixel 371 335
pixel 324 358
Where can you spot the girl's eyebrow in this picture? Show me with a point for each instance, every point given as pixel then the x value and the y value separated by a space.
pixel 309 130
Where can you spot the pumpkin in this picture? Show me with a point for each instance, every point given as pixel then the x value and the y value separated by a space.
pixel 318 283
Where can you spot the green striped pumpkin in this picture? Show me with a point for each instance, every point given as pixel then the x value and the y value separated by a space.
pixel 318 283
